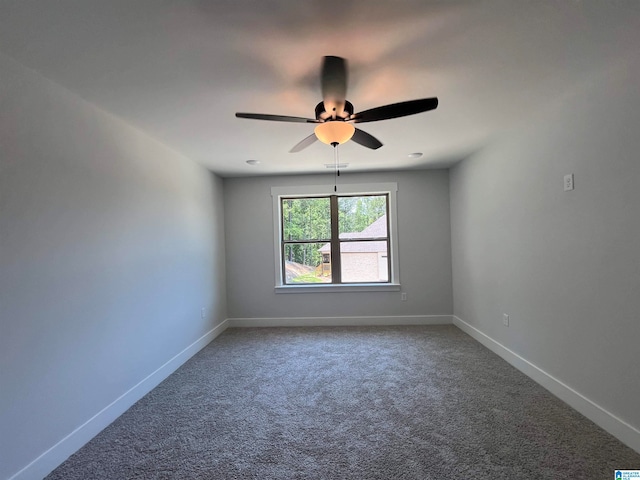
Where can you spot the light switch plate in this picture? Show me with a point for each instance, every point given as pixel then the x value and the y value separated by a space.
pixel 568 182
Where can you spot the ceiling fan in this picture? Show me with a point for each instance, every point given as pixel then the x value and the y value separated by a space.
pixel 335 115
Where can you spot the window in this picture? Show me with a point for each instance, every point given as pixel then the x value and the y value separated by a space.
pixel 339 240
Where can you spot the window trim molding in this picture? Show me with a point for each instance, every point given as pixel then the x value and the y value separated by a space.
pixel 323 190
pixel 334 287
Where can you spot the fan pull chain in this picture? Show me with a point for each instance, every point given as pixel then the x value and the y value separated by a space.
pixel 336 171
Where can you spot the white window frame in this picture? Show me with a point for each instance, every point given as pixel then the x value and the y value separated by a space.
pixel 391 189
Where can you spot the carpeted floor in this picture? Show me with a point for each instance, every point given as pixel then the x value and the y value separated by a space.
pixel 349 403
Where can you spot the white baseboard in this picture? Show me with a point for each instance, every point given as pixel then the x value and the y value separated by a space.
pixel 340 321
pixel 58 453
pixel 617 427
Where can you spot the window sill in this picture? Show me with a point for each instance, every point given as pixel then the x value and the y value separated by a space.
pixel 352 287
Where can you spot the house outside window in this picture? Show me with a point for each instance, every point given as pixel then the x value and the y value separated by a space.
pixel 362 260
pixel 336 241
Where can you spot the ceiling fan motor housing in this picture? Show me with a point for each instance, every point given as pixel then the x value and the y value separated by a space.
pixel 323 115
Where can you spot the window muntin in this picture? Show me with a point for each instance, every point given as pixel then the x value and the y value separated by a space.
pixel 336 239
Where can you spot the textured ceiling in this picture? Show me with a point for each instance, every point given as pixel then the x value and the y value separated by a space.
pixel 179 70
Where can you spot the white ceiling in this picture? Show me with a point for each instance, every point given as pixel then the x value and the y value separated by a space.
pixel 179 70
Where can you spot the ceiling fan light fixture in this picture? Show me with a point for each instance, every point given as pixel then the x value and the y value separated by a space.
pixel 334 132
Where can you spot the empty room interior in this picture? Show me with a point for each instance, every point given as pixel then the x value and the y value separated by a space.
pixel 151 225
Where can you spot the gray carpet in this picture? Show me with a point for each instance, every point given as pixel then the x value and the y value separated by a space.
pixel 349 403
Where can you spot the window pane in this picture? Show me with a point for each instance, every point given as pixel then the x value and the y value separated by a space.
pixel 306 218
pixel 363 216
pixel 364 261
pixel 307 263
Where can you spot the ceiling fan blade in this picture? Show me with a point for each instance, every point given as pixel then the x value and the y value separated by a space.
pixel 275 118
pixel 304 143
pixel 396 110
pixel 366 140
pixel 334 84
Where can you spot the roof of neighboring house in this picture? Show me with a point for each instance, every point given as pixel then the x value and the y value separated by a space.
pixel 376 229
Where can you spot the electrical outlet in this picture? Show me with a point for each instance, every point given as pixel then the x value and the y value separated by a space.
pixel 568 182
pixel 403 296
pixel 505 319
pixel 202 313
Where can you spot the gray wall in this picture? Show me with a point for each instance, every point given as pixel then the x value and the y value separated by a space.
pixel 424 244
pixel 564 265
pixel 110 244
